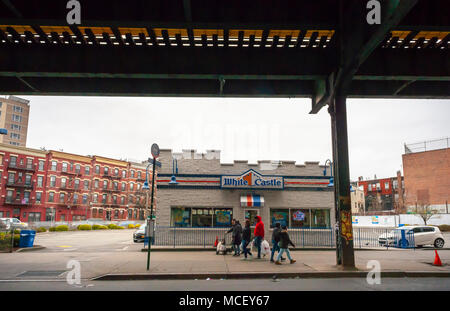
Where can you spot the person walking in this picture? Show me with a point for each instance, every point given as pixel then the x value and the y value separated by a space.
pixel 236 233
pixel 284 246
pixel 259 234
pixel 275 241
pixel 246 238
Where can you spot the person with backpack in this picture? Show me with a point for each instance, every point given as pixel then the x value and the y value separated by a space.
pixel 246 238
pixel 284 246
pixel 236 236
pixel 275 241
pixel 259 234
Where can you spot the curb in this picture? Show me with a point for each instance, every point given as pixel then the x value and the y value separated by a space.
pixel 30 249
pixel 213 249
pixel 267 275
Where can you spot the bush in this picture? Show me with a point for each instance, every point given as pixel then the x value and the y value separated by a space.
pixel 114 226
pixel 131 226
pixel 17 231
pixel 62 228
pixel 52 229
pixel 444 228
pixel 99 227
pixel 41 229
pixel 16 240
pixel 84 227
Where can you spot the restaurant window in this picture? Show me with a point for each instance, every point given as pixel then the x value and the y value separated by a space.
pixel 320 218
pixel 202 217
pixel 386 185
pixel 180 217
pixel 250 214
pixel 223 217
pixel 279 215
pixel 300 218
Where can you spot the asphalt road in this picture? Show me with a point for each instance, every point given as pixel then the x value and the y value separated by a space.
pixel 338 284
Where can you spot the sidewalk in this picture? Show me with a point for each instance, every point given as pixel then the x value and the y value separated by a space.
pixel 318 264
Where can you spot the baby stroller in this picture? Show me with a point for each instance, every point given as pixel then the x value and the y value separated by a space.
pixel 222 247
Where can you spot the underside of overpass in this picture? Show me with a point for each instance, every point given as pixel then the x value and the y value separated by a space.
pixel 325 50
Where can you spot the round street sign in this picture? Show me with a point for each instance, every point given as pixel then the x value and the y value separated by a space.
pixel 155 150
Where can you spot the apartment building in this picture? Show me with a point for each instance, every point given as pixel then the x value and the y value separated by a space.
pixel 37 185
pixel 14 112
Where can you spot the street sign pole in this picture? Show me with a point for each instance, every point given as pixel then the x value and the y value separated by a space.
pixel 150 229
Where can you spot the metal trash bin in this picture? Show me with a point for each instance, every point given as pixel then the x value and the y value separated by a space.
pixel 27 238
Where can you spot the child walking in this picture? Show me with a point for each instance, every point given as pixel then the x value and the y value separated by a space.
pixel 284 244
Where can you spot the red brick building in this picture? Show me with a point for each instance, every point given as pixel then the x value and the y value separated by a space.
pixel 426 168
pixel 384 194
pixel 38 185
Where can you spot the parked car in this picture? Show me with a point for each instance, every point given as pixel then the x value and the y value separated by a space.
pixel 423 235
pixel 6 223
pixel 139 234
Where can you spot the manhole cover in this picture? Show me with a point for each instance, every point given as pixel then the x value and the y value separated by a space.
pixel 42 273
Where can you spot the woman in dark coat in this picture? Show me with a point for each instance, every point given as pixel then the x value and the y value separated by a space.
pixel 236 232
pixel 246 238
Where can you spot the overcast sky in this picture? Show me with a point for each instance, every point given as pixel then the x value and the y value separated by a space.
pixel 243 129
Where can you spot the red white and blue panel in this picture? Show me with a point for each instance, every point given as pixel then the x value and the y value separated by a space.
pixel 252 200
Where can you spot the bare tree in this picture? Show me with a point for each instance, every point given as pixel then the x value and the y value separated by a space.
pixel 425 211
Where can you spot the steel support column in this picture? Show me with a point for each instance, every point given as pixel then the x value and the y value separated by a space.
pixel 344 235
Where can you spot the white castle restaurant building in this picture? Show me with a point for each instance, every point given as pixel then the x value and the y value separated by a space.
pixel 209 194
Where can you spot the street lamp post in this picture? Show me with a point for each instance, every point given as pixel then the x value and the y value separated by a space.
pixel 155 154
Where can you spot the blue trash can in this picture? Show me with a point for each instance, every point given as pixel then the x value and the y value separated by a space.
pixel 27 238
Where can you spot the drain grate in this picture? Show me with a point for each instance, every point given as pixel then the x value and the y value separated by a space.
pixel 41 273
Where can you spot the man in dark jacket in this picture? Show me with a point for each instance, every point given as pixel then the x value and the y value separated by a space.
pixel 275 241
pixel 284 244
pixel 236 235
pixel 259 234
pixel 246 238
